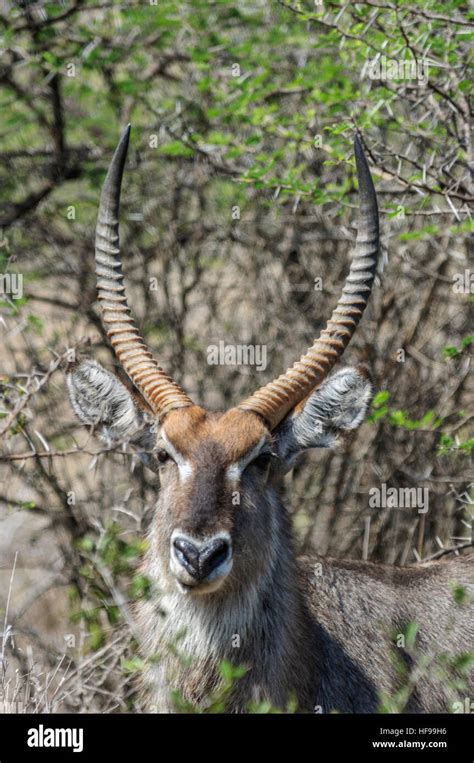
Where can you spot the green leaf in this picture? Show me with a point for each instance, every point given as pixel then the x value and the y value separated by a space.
pixel 176 148
pixel 380 398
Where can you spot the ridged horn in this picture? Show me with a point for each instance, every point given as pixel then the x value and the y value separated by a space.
pixel 274 401
pixel 158 389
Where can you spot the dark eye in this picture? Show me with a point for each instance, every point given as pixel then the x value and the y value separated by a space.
pixel 262 461
pixel 162 456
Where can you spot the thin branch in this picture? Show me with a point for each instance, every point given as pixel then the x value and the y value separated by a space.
pixel 451 550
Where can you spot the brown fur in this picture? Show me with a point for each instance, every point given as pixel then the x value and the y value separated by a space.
pixel 234 431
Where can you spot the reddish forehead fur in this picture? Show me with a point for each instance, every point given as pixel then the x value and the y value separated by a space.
pixel 235 431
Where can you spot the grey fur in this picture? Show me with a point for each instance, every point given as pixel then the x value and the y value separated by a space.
pixel 319 631
pixel 337 406
pixel 101 401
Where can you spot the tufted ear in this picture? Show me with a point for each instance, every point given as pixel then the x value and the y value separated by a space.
pixel 101 401
pixel 337 406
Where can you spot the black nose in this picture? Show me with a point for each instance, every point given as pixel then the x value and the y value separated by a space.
pixel 200 560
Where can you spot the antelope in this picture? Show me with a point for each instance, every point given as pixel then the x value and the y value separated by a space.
pixel 226 582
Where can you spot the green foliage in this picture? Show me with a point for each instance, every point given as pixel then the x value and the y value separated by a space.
pixel 428 422
pixel 240 79
pixel 454 352
pixel 448 444
pixel 35 323
pixel 28 504
pixel 108 561
pixel 399 418
pixel 216 700
pixel 133 665
pixel 176 148
pixel 460 595
pixel 412 665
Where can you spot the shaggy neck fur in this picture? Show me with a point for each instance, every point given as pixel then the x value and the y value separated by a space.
pixel 261 625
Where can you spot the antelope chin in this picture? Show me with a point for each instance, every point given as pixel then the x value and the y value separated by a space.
pixel 198 589
pixel 192 587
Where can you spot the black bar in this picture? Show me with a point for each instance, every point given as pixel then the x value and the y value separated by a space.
pixel 110 737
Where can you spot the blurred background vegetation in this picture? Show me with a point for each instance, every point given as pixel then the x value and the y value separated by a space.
pixel 239 199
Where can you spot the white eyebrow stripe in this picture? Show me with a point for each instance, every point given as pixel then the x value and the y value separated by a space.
pixel 234 471
pixel 185 469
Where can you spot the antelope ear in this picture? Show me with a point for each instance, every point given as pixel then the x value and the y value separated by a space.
pixel 101 401
pixel 337 406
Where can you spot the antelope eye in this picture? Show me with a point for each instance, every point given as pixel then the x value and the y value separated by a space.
pixel 162 456
pixel 262 461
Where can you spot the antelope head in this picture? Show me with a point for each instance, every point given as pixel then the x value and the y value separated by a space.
pixel 215 517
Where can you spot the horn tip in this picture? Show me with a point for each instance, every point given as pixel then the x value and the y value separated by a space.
pixel 366 185
pixel 359 152
pixel 125 136
pixel 115 171
pixel 356 140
